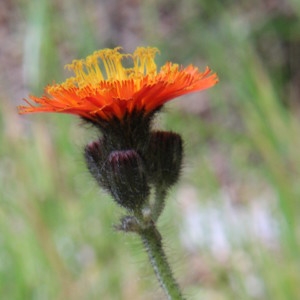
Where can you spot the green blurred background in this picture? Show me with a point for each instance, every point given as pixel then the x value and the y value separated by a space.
pixel 231 225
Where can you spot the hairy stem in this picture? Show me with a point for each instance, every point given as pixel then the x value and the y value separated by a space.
pixel 159 203
pixel 153 243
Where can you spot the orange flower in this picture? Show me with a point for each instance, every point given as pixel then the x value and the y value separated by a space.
pixel 104 89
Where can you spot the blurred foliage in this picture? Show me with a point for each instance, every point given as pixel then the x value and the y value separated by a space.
pixel 231 226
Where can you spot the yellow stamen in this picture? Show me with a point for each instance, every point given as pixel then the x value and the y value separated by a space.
pixel 88 72
pixel 143 59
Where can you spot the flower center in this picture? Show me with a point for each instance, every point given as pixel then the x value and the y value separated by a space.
pixel 106 65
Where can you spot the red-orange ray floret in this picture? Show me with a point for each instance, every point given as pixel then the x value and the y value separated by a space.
pixel 95 94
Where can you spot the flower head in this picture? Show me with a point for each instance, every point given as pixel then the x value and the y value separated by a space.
pixel 128 159
pixel 104 89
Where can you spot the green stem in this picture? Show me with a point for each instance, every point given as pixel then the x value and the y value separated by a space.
pixel 152 241
pixel 159 203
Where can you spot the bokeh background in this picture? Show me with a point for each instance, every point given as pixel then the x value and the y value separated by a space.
pixel 231 225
